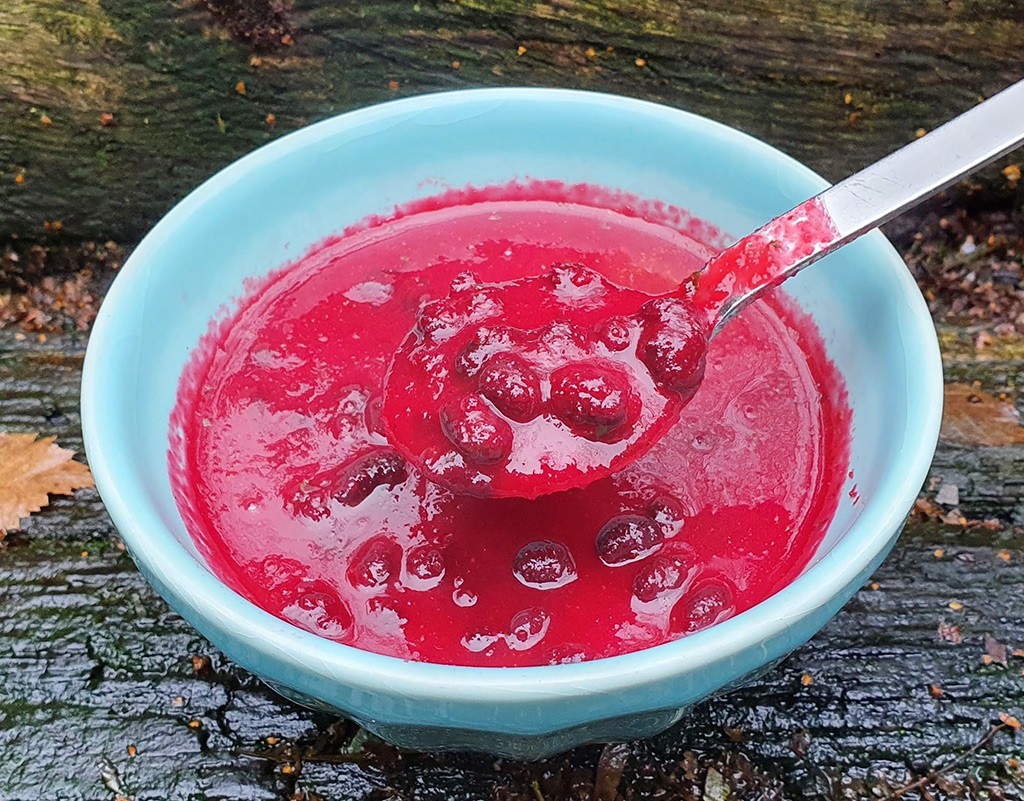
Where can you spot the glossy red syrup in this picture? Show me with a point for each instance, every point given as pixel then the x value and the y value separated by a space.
pixel 299 502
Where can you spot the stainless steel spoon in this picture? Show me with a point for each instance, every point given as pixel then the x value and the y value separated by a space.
pixel 869 198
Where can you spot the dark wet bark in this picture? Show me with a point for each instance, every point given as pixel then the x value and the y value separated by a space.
pixel 93 662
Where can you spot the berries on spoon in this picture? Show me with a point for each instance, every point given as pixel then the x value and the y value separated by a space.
pixel 536 385
pixel 673 343
pixel 507 381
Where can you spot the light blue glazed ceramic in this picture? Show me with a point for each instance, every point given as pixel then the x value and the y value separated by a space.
pixel 270 206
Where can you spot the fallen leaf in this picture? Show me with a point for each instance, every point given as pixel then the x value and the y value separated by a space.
pixel 715 788
pixel 200 664
pixel 951 633
pixel 1009 720
pixel 972 417
pixel 996 650
pixel 926 509
pixel 31 469
pixel 689 765
pixel 107 120
pixel 221 125
pixel 45 121
pixel 240 87
pixel 935 690
pixel 1012 173
pixel 610 767
pixel 956 606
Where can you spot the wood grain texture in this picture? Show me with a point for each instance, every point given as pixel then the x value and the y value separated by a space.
pixel 92 662
pixel 835 83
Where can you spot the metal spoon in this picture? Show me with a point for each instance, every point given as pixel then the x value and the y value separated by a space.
pixel 867 199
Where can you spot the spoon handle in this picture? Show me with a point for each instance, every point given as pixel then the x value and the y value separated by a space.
pixel 861 202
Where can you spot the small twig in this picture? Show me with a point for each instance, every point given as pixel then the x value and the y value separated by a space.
pixel 537 791
pixel 932 776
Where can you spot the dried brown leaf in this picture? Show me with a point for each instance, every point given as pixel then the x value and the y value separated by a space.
pixel 951 633
pixel 996 650
pixel 610 767
pixel 972 417
pixel 31 469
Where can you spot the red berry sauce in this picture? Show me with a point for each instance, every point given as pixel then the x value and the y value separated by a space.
pixel 283 472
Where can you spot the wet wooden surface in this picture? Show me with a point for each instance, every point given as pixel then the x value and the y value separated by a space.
pixel 94 667
pixel 105 693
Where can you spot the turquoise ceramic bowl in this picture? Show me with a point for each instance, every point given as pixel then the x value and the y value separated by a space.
pixel 271 205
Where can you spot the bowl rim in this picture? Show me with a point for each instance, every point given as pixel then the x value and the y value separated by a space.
pixel 180 576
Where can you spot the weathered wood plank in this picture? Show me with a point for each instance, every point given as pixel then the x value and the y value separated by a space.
pixel 91 662
pixel 835 83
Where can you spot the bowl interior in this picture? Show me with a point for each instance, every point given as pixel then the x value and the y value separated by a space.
pixel 274 204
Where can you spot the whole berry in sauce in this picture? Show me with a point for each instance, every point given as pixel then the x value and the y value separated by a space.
pixel 544 565
pixel 628 538
pixel 382 467
pixel 593 398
